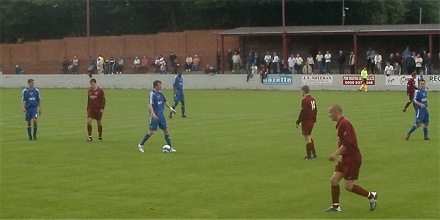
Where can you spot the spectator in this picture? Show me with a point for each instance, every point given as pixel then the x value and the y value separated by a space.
pixel 263 71
pixel 100 65
pixel 372 64
pixel 106 66
pixel 230 55
pixel 268 61
pixel 209 69
pixel 173 61
pixel 145 63
pixel 388 69
pixel 236 62
pixel 256 59
pixel 196 63
pixel 111 69
pixel 378 63
pixel 399 59
pixel 409 64
pixel 310 63
pixel 341 62
pixel 136 64
pixel 397 69
pixel 328 61
pixel 91 67
pixel 291 63
pixel 75 64
pixel 275 63
pixel 218 59
pixel 298 64
pixel 351 62
pixel 419 62
pixel 157 65
pixel 369 58
pixel 319 60
pixel 428 64
pixel 163 68
pixel 188 63
pixel 120 66
pixel 18 70
pixel 249 60
pixel 64 65
pixel 391 59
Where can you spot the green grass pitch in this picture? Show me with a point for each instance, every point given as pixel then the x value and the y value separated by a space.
pixel 239 156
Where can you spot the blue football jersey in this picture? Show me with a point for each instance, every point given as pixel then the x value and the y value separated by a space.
pixel 421 96
pixel 31 97
pixel 178 83
pixel 157 99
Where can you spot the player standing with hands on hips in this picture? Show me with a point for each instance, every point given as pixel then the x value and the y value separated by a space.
pixel 350 162
pixel 156 103
pixel 178 94
pixel 95 108
pixel 307 118
pixel 31 105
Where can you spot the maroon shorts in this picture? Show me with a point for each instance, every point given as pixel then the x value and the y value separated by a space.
pixel 349 166
pixel 410 96
pixel 307 127
pixel 94 113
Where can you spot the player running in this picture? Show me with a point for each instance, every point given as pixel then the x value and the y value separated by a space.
pixel 410 89
pixel 31 105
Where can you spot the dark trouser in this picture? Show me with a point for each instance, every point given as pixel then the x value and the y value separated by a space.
pixel 352 69
pixel 341 68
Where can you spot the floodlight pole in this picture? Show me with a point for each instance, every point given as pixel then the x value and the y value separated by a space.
pixel 88 29
pixel 284 37
pixel 343 12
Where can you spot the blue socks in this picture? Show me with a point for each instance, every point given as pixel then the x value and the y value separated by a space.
pixel 425 131
pixel 167 139
pixel 412 129
pixel 145 138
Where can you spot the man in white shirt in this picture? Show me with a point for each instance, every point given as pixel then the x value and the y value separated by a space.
pixel 328 60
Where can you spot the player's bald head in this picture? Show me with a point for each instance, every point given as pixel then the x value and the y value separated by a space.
pixel 335 108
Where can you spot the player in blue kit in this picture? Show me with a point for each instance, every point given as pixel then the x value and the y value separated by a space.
pixel 156 103
pixel 31 105
pixel 422 116
pixel 178 94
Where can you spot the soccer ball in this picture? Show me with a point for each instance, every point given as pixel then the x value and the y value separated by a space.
pixel 166 148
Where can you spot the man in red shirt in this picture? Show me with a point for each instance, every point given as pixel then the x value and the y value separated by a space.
pixel 349 164
pixel 307 118
pixel 410 89
pixel 95 108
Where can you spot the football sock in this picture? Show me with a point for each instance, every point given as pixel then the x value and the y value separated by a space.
pixel 29 129
pixel 89 129
pixel 360 191
pixel 183 110
pixel 167 139
pixel 35 130
pixel 335 194
pixel 370 195
pixel 313 147
pixel 413 128
pixel 407 104
pixel 99 130
pixel 145 138
pixel 425 131
pixel 309 150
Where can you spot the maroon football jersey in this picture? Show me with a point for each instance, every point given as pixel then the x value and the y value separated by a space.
pixel 96 99
pixel 410 87
pixel 309 109
pixel 347 136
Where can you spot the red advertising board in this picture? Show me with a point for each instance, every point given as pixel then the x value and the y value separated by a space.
pixel 357 80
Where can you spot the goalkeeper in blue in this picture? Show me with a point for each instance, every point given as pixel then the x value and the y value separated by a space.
pixel 31 105
pixel 422 115
pixel 178 94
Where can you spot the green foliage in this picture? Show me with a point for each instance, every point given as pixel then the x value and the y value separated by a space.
pixel 239 157
pixel 41 19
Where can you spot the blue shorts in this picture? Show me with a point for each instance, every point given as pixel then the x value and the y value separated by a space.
pixel 179 96
pixel 31 113
pixel 422 116
pixel 160 121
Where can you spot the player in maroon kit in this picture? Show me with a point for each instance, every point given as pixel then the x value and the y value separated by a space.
pixel 307 118
pixel 350 161
pixel 410 89
pixel 95 108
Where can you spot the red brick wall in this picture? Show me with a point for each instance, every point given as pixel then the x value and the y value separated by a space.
pixel 45 56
